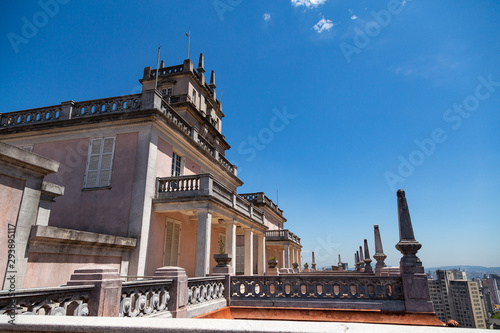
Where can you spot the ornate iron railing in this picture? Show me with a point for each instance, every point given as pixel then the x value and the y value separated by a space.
pixel 144 298
pixel 205 289
pixel 54 301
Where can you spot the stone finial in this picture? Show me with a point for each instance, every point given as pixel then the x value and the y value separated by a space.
pixel 367 260
pixel 212 80
pixel 313 262
pixel 201 65
pixel 356 260
pixel 407 244
pixel 379 252
pixel 162 64
pixel 415 284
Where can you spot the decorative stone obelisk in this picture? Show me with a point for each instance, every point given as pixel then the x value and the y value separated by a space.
pixel 313 263
pixel 415 286
pixel 379 252
pixel 361 260
pixel 367 260
pixel 356 261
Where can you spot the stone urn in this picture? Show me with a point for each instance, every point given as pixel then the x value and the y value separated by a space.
pixel 272 263
pixel 295 265
pixel 223 259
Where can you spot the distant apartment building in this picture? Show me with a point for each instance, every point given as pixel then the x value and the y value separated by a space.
pixel 454 297
pixel 492 281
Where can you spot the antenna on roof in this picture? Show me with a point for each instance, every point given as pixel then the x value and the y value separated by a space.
pixel 157 65
pixel 188 35
pixel 220 99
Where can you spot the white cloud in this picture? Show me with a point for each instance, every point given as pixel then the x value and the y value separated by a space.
pixel 308 3
pixel 267 17
pixel 354 17
pixel 323 25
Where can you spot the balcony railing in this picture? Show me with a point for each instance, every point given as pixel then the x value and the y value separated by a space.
pixel 282 235
pixel 260 197
pixel 144 298
pixel 205 185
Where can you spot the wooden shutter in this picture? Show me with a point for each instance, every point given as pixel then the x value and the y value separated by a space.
pixel 100 162
pixel 172 243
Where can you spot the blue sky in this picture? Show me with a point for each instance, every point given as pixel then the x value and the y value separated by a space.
pixel 369 96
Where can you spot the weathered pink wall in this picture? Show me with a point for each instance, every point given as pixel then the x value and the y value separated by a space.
pixel 104 211
pixel 164 161
pixel 54 269
pixel 191 168
pixel 11 194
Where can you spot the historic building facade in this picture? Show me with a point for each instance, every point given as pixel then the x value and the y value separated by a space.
pixel 147 185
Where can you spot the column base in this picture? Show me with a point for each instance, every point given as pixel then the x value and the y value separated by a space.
pixel 218 271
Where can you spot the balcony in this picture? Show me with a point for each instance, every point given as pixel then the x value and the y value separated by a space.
pixel 262 199
pixel 205 187
pixel 282 235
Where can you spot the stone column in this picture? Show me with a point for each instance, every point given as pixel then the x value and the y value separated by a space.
pixel 177 305
pixel 231 243
pixel 415 285
pixel 368 261
pixel 286 261
pixel 105 298
pixel 248 251
pixel 261 254
pixel 203 235
pixel 379 252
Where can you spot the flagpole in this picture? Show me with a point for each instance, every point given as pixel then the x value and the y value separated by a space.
pixel 189 39
pixel 157 65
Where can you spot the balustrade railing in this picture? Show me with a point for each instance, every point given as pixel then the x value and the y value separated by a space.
pixel 144 298
pixel 260 197
pixel 281 235
pixel 167 70
pixel 303 287
pixel 107 105
pixel 54 301
pixel 205 289
pixel 32 116
pixel 204 185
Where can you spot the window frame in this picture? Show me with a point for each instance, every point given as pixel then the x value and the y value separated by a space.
pixel 99 168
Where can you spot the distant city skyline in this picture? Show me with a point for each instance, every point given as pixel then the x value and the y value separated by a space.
pixel 333 105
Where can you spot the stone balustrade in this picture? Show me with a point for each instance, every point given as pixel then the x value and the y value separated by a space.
pixel 144 298
pixel 55 301
pixel 166 71
pixel 205 185
pixel 120 104
pixel 106 105
pixel 385 293
pixel 282 235
pixel 32 116
pixel 205 289
pixel 260 197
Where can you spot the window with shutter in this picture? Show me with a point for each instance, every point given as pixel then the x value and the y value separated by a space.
pixel 100 162
pixel 240 259
pixel 172 242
